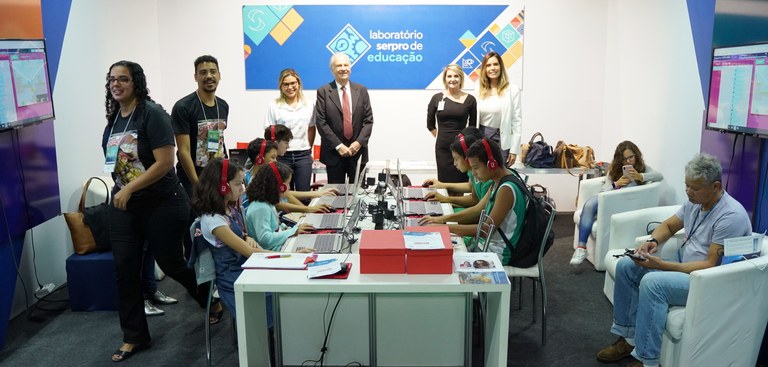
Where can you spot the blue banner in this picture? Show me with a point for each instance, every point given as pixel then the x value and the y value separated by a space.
pixel 390 46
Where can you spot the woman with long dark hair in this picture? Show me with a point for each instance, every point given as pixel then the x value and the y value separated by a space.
pixel 148 204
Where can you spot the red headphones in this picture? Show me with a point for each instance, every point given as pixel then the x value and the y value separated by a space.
pixel 492 163
pixel 272 132
pixel 224 185
pixel 262 151
pixel 281 186
pixel 464 146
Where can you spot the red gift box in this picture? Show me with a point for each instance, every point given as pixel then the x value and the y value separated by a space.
pixel 382 252
pixel 431 261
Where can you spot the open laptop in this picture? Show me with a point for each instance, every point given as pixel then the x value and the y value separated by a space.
pixel 343 201
pixel 343 189
pixel 239 156
pixel 329 242
pixel 422 208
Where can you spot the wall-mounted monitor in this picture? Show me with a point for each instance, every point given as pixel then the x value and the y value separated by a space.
pixel 25 90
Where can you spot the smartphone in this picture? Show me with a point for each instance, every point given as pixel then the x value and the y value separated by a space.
pixel 626 169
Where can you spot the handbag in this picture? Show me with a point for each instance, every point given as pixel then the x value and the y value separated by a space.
pixel 89 226
pixel 574 156
pixel 539 153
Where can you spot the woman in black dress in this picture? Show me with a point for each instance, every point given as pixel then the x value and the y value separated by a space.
pixel 448 113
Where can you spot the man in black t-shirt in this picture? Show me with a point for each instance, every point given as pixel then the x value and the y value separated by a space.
pixel 199 120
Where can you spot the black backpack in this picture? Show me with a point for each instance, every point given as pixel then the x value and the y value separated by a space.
pixel 526 252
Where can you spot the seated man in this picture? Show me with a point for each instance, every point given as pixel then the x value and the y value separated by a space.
pixel 646 286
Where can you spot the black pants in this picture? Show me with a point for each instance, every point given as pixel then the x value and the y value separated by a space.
pixel 162 223
pixel 345 169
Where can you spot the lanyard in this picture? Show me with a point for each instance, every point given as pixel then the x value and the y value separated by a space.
pixel 130 117
pixel 694 227
pixel 215 100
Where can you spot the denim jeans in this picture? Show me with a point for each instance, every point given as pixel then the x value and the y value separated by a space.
pixel 587 219
pixel 300 162
pixel 641 300
pixel 228 269
pixel 161 223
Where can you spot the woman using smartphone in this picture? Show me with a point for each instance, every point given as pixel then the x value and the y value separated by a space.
pixel 627 169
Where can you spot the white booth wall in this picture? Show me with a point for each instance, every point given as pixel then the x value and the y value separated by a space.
pixel 595 72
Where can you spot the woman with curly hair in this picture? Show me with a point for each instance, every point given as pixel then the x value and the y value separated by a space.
pixel 267 188
pixel 148 204
pixel 626 170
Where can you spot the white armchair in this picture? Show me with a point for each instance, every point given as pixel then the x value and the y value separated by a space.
pixel 608 204
pixel 724 319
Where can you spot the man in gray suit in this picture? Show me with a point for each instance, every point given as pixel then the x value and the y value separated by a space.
pixel 344 120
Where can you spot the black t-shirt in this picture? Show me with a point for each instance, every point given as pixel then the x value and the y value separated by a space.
pixel 187 113
pixel 149 129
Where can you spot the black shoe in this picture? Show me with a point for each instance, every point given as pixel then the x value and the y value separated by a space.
pixel 124 354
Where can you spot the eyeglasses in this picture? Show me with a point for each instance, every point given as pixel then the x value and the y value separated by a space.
pixel 627 159
pixel 121 79
pixel 291 84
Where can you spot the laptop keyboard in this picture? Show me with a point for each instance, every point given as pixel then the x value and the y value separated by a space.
pixel 329 221
pixel 324 244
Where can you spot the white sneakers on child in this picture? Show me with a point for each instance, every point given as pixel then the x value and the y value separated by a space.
pixel 578 256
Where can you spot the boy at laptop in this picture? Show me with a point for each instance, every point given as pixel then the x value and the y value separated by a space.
pixel 266 189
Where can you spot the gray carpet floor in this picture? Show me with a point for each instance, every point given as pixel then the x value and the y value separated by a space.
pixel 579 317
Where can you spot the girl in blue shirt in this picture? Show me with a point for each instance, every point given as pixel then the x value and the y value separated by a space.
pixel 267 187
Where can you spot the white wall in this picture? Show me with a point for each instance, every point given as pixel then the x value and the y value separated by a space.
pixel 596 72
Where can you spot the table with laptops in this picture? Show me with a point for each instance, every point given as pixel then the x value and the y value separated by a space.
pixel 370 319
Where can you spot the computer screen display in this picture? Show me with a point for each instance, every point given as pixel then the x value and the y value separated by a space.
pixel 25 92
pixel 738 90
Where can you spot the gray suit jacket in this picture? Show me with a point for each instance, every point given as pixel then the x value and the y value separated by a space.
pixel 330 124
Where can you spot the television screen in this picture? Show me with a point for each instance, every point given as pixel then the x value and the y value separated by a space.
pixel 25 92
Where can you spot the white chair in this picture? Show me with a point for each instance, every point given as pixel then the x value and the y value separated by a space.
pixel 608 204
pixel 536 274
pixel 724 318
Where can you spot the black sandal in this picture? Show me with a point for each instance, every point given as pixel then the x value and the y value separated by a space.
pixel 214 317
pixel 124 354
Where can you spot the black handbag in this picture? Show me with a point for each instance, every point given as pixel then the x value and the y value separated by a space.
pixel 540 154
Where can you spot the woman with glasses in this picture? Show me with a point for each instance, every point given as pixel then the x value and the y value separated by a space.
pixel 292 110
pixel 626 170
pixel 148 204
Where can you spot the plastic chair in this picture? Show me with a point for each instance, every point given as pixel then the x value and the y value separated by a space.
pixel 205 271
pixel 485 228
pixel 536 274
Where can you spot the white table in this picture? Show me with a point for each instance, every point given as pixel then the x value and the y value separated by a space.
pixel 401 318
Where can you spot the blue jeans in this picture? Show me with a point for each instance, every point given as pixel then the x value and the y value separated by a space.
pixel 228 268
pixel 641 300
pixel 587 219
pixel 300 162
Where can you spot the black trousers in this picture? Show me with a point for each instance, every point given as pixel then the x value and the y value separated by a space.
pixel 344 170
pixel 162 223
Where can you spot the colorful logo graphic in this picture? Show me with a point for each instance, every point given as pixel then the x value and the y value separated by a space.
pixel 350 42
pixel 278 21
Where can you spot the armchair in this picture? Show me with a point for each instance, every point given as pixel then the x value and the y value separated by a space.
pixel 724 319
pixel 609 203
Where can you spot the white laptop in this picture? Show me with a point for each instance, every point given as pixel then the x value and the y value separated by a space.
pixel 343 201
pixel 343 189
pixel 329 242
pixel 422 208
pixel 417 192
pixel 325 220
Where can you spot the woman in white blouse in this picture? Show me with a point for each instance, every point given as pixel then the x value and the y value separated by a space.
pixel 498 107
pixel 295 112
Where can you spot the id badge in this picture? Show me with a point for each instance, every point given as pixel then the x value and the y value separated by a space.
pixel 441 105
pixel 213 140
pixel 113 145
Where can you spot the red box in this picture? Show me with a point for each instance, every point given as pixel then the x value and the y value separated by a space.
pixel 382 252
pixel 431 261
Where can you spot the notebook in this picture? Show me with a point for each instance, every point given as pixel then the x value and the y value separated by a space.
pixel 325 220
pixel 422 208
pixel 328 242
pixel 416 192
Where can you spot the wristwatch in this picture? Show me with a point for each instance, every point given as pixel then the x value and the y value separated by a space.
pixel 652 240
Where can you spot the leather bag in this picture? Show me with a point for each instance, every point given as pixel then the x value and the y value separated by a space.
pixel 539 154
pixel 574 156
pixel 89 227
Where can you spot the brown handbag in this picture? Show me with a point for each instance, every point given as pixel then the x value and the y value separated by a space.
pixel 82 237
pixel 574 156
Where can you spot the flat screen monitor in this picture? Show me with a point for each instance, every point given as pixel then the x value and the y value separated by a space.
pixel 25 91
pixel 738 90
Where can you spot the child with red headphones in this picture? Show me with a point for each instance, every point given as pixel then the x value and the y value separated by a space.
pixel 266 189
pixel 503 206
pixel 217 198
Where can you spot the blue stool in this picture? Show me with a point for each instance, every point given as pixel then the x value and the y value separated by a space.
pixel 92 282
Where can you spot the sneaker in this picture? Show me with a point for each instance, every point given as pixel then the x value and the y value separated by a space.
pixel 615 352
pixel 161 299
pixel 151 310
pixel 578 256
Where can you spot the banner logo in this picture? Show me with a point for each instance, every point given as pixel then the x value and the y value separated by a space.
pixel 350 42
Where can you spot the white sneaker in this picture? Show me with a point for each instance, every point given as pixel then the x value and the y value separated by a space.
pixel 578 256
pixel 151 310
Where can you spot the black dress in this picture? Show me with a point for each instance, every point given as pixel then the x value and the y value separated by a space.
pixel 449 121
